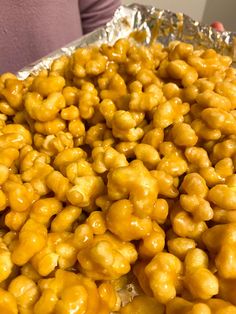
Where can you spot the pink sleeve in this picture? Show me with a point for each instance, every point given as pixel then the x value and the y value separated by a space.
pixel 96 13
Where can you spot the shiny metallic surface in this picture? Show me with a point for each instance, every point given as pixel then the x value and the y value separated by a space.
pixel 159 25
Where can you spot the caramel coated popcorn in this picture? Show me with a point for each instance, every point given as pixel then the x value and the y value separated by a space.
pixel 117 165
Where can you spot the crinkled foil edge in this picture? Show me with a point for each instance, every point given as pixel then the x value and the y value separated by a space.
pixel 161 25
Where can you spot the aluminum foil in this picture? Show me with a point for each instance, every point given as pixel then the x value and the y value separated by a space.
pixel 146 24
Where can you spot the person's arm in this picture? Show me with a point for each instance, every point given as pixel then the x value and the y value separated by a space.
pixel 30 29
pixel 96 13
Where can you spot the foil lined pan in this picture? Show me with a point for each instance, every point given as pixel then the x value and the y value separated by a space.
pixel 146 24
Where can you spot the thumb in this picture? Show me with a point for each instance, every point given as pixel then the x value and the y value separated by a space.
pixel 218 26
